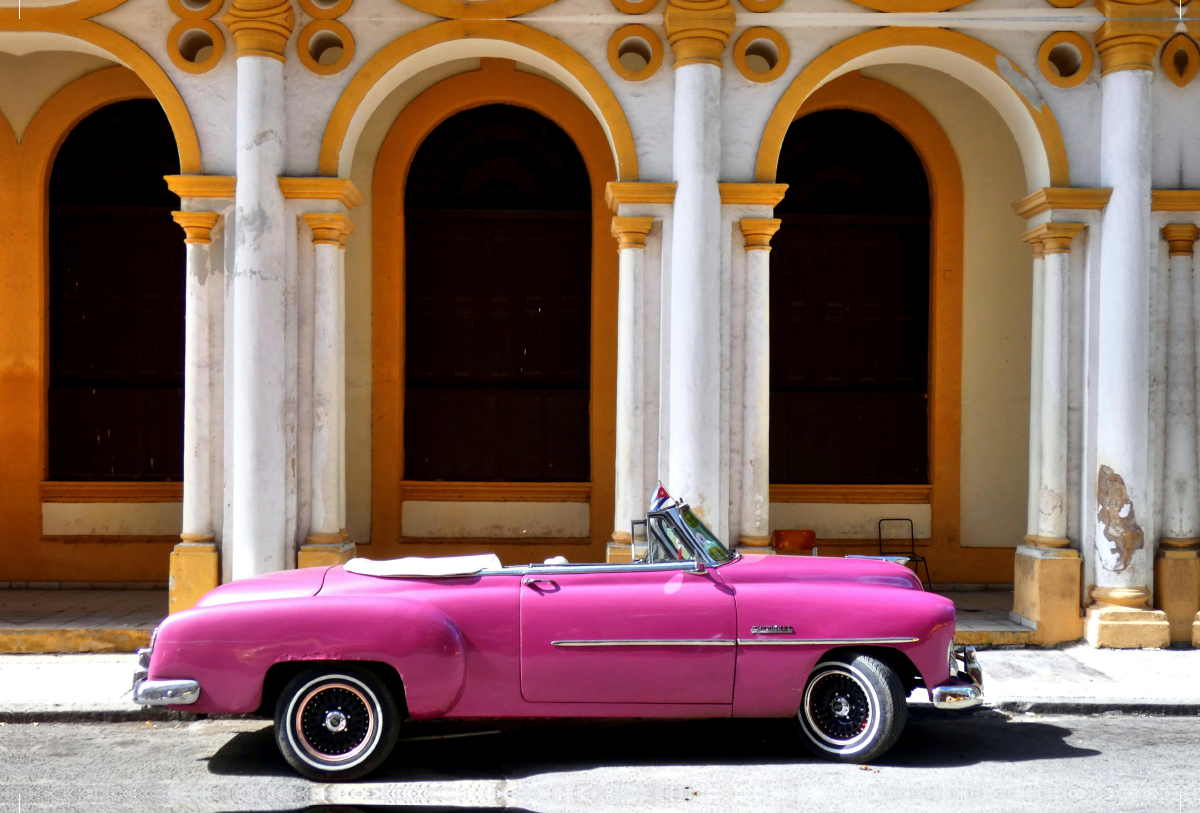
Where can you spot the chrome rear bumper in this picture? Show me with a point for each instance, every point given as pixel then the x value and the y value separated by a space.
pixel 964 690
pixel 161 692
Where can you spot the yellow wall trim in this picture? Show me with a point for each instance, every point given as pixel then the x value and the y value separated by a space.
pixel 1175 200
pixel 820 69
pixel 619 135
pixel 111 539
pixel 201 186
pixel 442 491
pixel 753 194
pixel 1043 200
pixel 342 190
pixel 857 494
pixel 618 192
pixel 54 491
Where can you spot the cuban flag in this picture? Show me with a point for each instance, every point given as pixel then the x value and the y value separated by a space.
pixel 660 498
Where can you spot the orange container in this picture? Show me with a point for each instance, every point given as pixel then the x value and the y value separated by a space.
pixel 800 541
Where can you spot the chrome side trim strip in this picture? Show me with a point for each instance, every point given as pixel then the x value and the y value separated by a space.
pixel 166 692
pixel 824 641
pixel 649 642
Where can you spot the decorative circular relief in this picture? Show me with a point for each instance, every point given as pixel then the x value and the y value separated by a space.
pixel 195 9
pixel 761 6
pixel 325 47
pixel 1180 59
pixel 637 6
pixel 635 53
pixel 325 9
pixel 761 54
pixel 195 46
pixel 1065 59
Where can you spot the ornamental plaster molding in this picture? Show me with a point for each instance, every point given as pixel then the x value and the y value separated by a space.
pixel 1181 238
pixel 196 225
pixel 698 30
pixel 1058 197
pixel 631 231
pixel 1130 45
pixel 201 186
pixel 752 194
pixel 758 232
pixel 619 192
pixel 328 228
pixel 1175 200
pixel 261 27
pixel 342 190
pixel 1055 237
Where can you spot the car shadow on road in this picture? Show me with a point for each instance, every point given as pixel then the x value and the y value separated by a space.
pixel 930 740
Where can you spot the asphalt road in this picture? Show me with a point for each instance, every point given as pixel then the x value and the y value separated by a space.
pixel 979 762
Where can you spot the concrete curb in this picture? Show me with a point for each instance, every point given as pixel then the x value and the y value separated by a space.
pixel 1089 707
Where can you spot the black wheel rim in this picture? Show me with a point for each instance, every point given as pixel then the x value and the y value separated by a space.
pixel 335 722
pixel 837 707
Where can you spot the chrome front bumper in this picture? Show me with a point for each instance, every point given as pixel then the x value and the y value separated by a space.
pixel 965 689
pixel 148 692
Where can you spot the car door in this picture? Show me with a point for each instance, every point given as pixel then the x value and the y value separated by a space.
pixel 638 633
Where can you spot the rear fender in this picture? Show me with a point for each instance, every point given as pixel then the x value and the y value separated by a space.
pixel 229 648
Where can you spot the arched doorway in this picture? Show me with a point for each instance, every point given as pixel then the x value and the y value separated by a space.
pixel 498 276
pixel 116 283
pixel 850 277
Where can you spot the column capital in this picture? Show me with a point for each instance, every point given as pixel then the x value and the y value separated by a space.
pixel 328 228
pixel 1055 238
pixel 698 30
pixel 631 231
pixel 261 27
pixel 197 226
pixel 758 232
pixel 1129 45
pixel 1181 237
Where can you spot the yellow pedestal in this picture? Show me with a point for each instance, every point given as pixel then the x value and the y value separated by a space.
pixel 325 554
pixel 1177 591
pixel 1046 593
pixel 1115 627
pixel 195 569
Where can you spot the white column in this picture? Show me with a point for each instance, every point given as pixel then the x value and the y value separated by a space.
pixel 259 464
pixel 1120 353
pixel 694 456
pixel 632 494
pixel 1052 394
pixel 756 400
pixel 1035 390
pixel 341 380
pixel 328 237
pixel 1181 497
pixel 197 392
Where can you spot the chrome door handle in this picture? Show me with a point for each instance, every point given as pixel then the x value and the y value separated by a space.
pixel 535 582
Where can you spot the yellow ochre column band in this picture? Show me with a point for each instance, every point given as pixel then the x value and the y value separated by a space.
pixel 758 232
pixel 698 30
pixel 261 27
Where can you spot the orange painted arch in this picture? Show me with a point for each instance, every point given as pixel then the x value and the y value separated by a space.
pixel 619 134
pixel 497 82
pixel 24 182
pixel 949 561
pixel 819 71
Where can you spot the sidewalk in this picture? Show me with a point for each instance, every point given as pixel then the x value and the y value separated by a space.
pixel 1074 679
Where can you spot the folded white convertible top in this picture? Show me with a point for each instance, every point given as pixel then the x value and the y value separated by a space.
pixel 424 567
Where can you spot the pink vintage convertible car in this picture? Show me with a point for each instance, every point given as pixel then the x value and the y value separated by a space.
pixel 342 656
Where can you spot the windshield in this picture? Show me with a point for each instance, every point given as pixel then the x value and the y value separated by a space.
pixel 708 541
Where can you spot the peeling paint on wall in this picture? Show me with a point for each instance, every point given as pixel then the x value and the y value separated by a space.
pixel 1118 519
pixel 1020 83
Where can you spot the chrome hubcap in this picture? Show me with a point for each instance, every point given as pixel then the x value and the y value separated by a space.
pixel 841 707
pixel 335 721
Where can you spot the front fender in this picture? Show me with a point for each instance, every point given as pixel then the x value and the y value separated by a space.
pixel 228 648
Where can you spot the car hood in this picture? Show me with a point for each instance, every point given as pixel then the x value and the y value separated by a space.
pixel 819 569
pixel 283 584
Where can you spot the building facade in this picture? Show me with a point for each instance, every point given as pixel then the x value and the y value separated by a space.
pixel 281 283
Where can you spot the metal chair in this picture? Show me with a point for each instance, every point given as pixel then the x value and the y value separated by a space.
pixel 911 553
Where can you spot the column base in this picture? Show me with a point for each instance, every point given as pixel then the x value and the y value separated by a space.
pixel 1196 632
pixel 315 552
pixel 754 544
pixel 1046 593
pixel 1177 591
pixel 195 569
pixel 1115 627
pixel 755 549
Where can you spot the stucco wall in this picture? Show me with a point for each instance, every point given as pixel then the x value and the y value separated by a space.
pixel 41 75
pixel 997 274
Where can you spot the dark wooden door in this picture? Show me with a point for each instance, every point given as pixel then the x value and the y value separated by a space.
pixel 850 307
pixel 498 304
pixel 116 291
